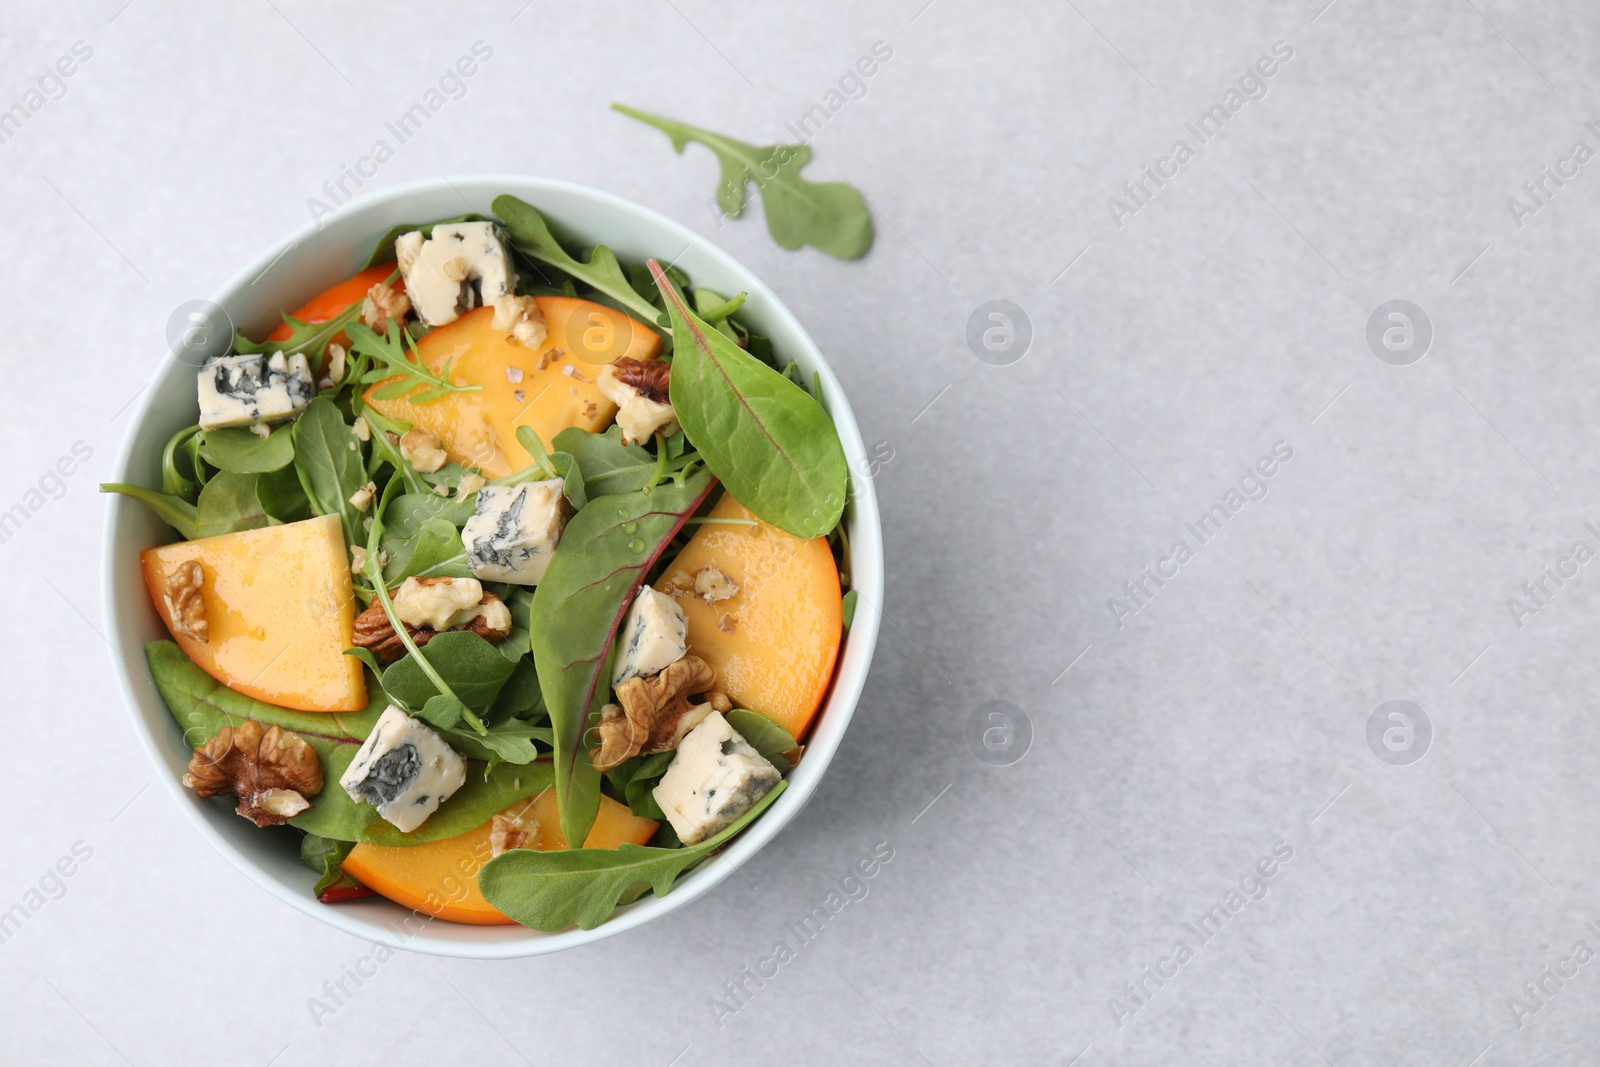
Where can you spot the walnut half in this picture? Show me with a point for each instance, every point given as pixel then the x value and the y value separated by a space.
pixel 656 712
pixel 513 829
pixel 270 771
pixel 492 622
pixel 185 606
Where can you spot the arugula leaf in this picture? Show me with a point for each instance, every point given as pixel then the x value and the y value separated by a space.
pixel 434 551
pixel 173 481
pixel 403 375
pixel 510 741
pixel 309 337
pixel 407 514
pixel 531 236
pixel 383 251
pixel 765 736
pixel 515 645
pixel 829 216
pixel 763 436
pixel 330 471
pixel 202 705
pixel 475 803
pixel 323 855
pixel 469 665
pixel 551 891
pixel 175 511
pixel 240 451
pixel 847 608
pixel 228 504
pixel 604 554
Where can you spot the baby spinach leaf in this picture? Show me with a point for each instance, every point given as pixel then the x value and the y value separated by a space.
pixel 282 496
pixel 764 437
pixel 551 891
pixel 643 780
pixel 330 471
pixel 608 466
pixel 531 236
pixel 202 706
pixel 406 514
pixel 240 451
pixel 323 855
pixel 829 216
pixel 515 645
pixel 847 608
pixel 228 504
pixel 520 697
pixel 603 556
pixel 765 736
pixel 383 251
pixel 469 665
pixel 175 511
pixel 469 807
pixel 434 551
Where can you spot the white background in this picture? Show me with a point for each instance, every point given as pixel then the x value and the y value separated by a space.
pixel 1228 715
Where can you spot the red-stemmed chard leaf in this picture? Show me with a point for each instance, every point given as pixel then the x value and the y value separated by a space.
pixel 604 555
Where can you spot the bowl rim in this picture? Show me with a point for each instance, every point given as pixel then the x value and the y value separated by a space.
pixel 363 919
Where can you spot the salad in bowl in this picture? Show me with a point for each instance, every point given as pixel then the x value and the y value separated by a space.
pixel 502 579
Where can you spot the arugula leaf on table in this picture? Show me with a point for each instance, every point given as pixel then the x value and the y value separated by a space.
pixel 605 553
pixel 175 511
pixel 765 736
pixel 383 251
pixel 229 504
pixel 829 216
pixel 763 436
pixel 405 375
pixel 202 706
pixel 469 665
pixel 531 236
pixel 581 887
pixel 434 551
pixel 469 807
pixel 330 471
pixel 237 450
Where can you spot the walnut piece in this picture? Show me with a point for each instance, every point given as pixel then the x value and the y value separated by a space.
pixel 185 606
pixel 381 305
pixel 656 712
pixel 491 621
pixel 421 449
pixel 634 385
pixel 521 317
pixel 711 585
pixel 649 377
pixel 513 829
pixel 270 771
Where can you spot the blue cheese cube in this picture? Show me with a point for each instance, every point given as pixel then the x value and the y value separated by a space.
pixel 254 390
pixel 714 778
pixel 404 769
pixel 654 636
pixel 515 530
pixel 462 266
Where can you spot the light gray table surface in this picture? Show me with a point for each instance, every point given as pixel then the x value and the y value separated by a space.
pixel 1222 713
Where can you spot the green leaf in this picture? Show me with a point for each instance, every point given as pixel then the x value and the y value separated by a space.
pixel 469 807
pixel 173 480
pixel 442 711
pixel 434 551
pixel 551 891
pixel 643 780
pixel 383 251
pixel 469 665
pixel 323 855
pixel 229 504
pixel 202 706
pixel 763 436
pixel 765 736
pixel 520 697
pixel 406 514
pixel 412 378
pixel 330 470
pixel 175 511
pixel 531 236
pixel 510 741
pixel 310 338
pixel 240 451
pixel 281 495
pixel 608 466
pixel 604 555
pixel 847 608
pixel 829 216
pixel 516 643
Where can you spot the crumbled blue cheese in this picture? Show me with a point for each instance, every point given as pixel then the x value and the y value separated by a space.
pixel 404 769
pixel 515 530
pixel 714 778
pixel 640 417
pixel 462 266
pixel 252 390
pixel 654 636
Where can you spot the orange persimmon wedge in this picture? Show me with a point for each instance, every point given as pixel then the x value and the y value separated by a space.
pixel 440 878
pixel 279 609
pixel 547 390
pixel 774 642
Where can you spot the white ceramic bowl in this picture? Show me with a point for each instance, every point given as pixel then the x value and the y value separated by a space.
pixel 284 276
